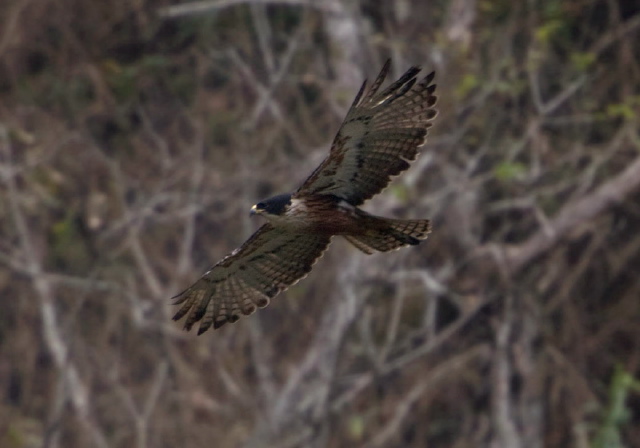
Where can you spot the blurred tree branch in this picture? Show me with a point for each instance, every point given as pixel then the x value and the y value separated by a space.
pixel 574 214
pixel 75 390
pixel 133 137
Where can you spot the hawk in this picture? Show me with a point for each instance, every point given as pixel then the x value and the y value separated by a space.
pixel 380 135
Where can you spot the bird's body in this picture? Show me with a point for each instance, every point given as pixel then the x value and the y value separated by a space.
pixel 379 137
pixel 333 216
pixel 321 214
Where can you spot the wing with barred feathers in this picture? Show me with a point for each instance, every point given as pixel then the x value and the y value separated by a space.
pixel 265 265
pixel 380 135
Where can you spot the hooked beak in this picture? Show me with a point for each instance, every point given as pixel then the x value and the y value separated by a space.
pixel 254 211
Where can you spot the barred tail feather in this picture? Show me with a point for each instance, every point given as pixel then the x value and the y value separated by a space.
pixel 383 234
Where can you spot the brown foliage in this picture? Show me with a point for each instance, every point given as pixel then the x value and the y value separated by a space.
pixel 134 137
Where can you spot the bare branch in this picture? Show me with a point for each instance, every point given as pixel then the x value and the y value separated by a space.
pixel 200 7
pixel 75 388
pixel 438 374
pixel 574 214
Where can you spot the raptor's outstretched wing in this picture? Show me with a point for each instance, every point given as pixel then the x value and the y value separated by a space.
pixel 380 135
pixel 265 265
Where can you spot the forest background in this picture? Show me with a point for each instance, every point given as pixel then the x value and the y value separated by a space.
pixel 135 136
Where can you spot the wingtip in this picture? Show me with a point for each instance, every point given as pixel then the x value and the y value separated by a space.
pixel 180 313
pixel 219 323
pixel 356 100
pixel 429 77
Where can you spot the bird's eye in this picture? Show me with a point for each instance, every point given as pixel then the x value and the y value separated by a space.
pixel 260 205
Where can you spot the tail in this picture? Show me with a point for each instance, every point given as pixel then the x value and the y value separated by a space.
pixel 383 234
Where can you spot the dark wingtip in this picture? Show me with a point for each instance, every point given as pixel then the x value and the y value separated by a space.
pixel 376 83
pixel 413 241
pixel 356 100
pixel 180 313
pixel 219 323
pixel 427 79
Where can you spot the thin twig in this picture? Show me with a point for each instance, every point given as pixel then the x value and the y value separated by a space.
pixel 574 214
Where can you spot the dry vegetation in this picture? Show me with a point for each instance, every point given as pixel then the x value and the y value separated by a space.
pixel 134 137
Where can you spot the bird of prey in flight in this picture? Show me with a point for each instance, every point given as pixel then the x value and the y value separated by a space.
pixel 380 135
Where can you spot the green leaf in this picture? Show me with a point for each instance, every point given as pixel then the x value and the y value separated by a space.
pixel 400 191
pixel 356 427
pixel 467 84
pixel 583 61
pixel 508 171
pixel 623 110
pixel 547 31
pixel 617 413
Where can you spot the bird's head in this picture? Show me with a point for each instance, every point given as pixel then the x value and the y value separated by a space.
pixel 274 206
